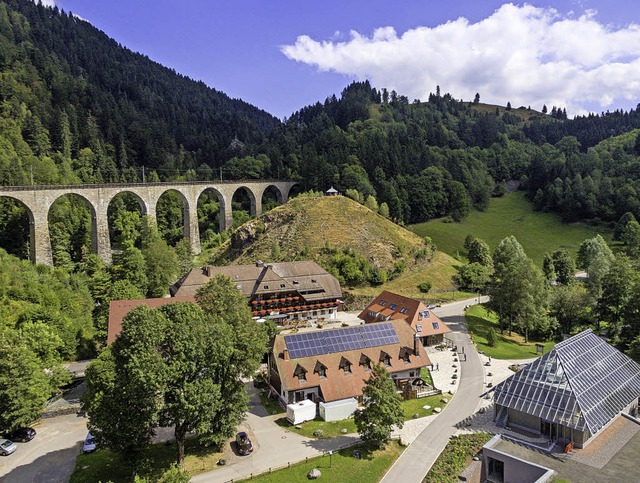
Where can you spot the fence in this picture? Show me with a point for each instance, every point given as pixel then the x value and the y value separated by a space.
pixel 293 463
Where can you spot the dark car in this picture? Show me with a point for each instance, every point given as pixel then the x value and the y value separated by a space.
pixel 22 435
pixel 244 443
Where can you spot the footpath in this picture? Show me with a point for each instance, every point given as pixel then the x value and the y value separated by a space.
pixel 417 459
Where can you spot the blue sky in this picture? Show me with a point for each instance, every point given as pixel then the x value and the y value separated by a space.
pixel 283 55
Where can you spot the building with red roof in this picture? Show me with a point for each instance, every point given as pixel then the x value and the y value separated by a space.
pixel 333 365
pixel 391 306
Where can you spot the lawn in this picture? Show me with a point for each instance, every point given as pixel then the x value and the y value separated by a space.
pixel 415 406
pixel 508 347
pixel 340 467
pixel 455 457
pixel 511 214
pixel 334 428
pixel 329 429
pixel 105 465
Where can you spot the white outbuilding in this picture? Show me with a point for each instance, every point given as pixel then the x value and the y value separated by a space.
pixel 302 411
pixel 338 410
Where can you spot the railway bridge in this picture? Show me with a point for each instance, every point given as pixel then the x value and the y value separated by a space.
pixel 39 199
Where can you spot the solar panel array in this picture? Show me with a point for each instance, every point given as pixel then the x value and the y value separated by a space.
pixel 338 340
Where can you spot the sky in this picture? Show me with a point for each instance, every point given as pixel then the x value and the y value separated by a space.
pixel 282 55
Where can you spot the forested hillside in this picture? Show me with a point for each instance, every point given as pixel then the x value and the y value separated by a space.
pixel 440 157
pixel 79 107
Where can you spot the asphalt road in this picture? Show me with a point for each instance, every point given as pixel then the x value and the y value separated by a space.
pixel 414 463
pixel 50 456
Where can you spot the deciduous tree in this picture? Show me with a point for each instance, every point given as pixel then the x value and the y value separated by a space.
pixel 24 385
pixel 381 411
pixel 595 256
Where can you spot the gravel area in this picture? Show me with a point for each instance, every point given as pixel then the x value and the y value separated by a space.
pixel 607 444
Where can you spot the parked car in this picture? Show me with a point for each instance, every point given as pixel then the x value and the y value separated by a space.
pixel 22 435
pixel 7 447
pixel 244 443
pixel 89 445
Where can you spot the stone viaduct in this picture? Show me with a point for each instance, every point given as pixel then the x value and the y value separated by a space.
pixel 38 201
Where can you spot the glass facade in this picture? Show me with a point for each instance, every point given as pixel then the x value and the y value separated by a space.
pixel 582 383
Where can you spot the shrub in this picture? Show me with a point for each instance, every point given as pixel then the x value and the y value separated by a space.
pixel 425 286
pixel 492 338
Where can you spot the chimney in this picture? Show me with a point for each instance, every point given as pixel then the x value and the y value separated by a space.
pixel 416 341
pixel 259 263
pixel 285 353
pixel 207 270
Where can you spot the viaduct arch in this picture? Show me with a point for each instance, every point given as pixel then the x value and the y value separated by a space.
pixel 38 201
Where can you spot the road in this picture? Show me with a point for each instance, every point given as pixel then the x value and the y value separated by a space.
pixel 274 446
pixel 50 456
pixel 417 459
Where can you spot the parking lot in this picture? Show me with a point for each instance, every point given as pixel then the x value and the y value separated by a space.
pixel 50 456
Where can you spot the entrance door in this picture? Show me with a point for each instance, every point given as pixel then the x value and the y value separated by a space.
pixel 545 427
pixel 549 429
pixel 299 396
pixel 496 469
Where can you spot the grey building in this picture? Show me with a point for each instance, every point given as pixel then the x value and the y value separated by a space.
pixel 571 393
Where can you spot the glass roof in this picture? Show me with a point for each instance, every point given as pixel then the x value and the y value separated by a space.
pixel 582 383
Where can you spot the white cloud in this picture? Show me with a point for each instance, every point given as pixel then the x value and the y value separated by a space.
pixel 46 3
pixel 522 54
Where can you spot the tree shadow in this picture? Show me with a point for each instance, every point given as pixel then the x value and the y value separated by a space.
pixel 255 405
pixel 54 466
pixel 339 444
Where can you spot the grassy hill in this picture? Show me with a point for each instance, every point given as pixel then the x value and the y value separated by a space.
pixel 315 227
pixel 511 214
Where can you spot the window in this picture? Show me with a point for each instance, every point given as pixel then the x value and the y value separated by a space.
pixel 282 285
pixel 393 306
pixel 313 280
pixel 435 325
pixel 320 369
pixel 365 362
pixel 300 373
pixel 419 327
pixel 404 310
pixel 383 303
pixel 385 359
pixel 345 365
pixel 295 282
pixel 266 286
pixel 404 355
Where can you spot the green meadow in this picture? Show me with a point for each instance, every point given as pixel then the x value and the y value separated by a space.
pixel 511 214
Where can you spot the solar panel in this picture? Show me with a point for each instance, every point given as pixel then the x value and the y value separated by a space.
pixel 310 344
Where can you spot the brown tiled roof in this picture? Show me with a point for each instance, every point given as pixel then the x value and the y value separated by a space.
pixel 119 308
pixel 338 385
pixel 310 280
pixel 415 313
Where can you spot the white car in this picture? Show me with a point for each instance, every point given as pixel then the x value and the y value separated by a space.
pixel 89 445
pixel 7 447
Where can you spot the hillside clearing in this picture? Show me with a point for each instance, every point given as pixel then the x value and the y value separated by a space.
pixel 512 214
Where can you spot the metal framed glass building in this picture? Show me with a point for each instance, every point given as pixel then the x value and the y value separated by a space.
pixel 570 393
